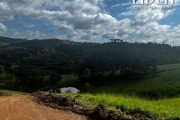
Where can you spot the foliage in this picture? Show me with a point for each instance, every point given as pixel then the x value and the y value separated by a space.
pixel 29 77
pixel 138 69
pixel 87 86
pixel 54 78
pixel 87 74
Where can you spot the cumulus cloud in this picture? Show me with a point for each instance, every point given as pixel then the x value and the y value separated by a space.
pixel 148 27
pixel 25 34
pixel 72 14
pixel 149 16
pixel 151 31
pixel 5 12
pixel 2 28
pixel 123 4
pixel 86 20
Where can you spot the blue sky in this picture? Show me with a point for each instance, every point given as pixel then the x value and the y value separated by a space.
pixel 90 20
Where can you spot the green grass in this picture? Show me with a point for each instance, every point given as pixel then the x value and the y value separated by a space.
pixel 68 81
pixel 169 67
pixel 131 93
pixel 12 92
pixel 163 108
pixel 163 84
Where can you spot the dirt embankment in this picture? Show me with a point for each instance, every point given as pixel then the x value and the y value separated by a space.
pixel 21 107
pixel 98 113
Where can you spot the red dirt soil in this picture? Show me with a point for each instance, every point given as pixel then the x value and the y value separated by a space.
pixel 21 107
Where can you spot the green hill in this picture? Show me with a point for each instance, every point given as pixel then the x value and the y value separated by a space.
pixel 165 83
pixel 123 64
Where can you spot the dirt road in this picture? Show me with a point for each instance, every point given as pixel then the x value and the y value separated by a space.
pixel 21 107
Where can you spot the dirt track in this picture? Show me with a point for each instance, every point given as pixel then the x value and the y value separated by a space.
pixel 21 107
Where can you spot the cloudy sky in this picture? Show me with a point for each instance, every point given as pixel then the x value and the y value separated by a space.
pixel 89 20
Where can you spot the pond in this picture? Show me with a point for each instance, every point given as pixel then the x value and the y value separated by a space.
pixel 69 90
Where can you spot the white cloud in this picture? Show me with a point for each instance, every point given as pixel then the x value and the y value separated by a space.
pixel 151 30
pixel 29 25
pixel 5 12
pixel 75 14
pixel 80 6
pixel 122 4
pixel 86 19
pixel 2 28
pixel 154 32
pixel 148 27
pixel 25 34
pixel 149 16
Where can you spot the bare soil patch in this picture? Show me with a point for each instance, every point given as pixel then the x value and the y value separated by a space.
pixel 21 107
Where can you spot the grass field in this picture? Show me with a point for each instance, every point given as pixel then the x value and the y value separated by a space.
pixel 163 108
pixel 130 94
pixel 162 84
pixel 170 67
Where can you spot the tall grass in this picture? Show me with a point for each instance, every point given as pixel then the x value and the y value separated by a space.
pixel 163 108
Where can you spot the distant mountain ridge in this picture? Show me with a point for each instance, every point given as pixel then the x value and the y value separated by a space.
pixel 10 40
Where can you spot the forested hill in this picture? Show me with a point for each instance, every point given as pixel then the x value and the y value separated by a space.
pixel 67 53
pixel 64 57
pixel 6 41
pixel 55 54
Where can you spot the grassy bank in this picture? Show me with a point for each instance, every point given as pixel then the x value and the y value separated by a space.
pixel 121 93
pixel 163 108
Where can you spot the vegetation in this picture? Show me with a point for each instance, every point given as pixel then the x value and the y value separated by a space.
pixel 163 108
pixel 141 77
pixel 27 62
pixel 164 84
pixel 12 92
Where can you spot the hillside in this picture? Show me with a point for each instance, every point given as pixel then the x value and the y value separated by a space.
pixel 165 83
pixel 31 64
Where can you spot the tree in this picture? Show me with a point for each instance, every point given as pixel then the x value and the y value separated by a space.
pixel 8 64
pixel 54 78
pixel 87 86
pixel 87 74
pixel 154 69
pixel 1 70
pixel 28 77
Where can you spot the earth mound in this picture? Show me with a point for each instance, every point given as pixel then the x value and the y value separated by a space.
pixel 98 113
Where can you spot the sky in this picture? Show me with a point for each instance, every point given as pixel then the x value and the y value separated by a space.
pixel 91 20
